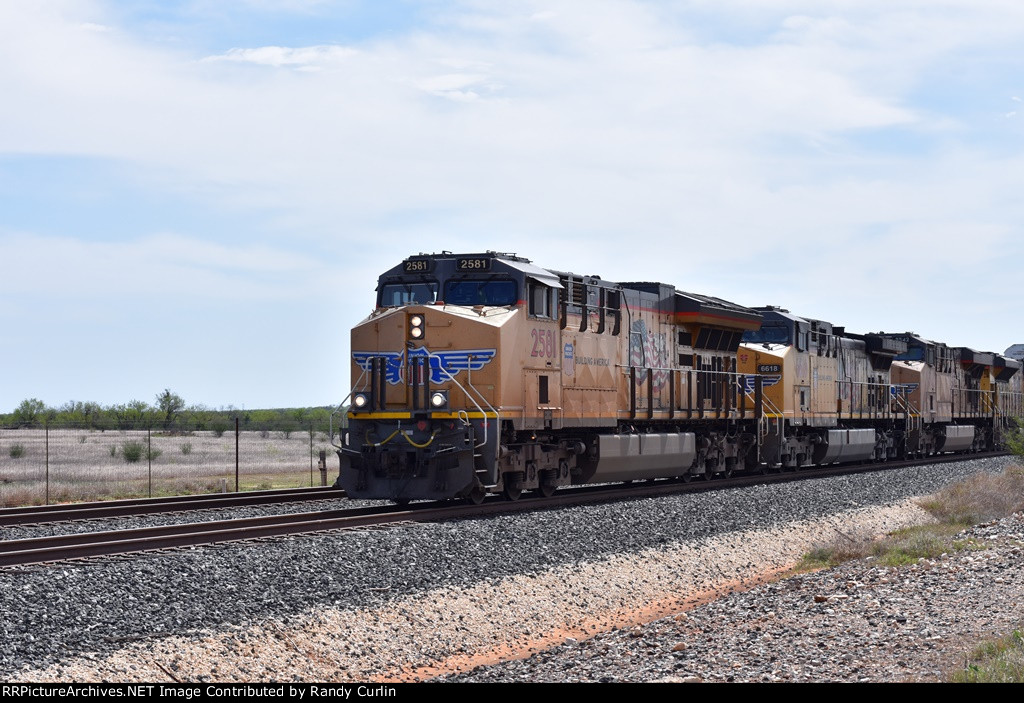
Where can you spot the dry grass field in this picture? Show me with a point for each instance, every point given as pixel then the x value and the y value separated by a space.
pixel 60 465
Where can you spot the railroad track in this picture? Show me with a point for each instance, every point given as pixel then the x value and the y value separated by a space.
pixel 65 512
pixel 39 550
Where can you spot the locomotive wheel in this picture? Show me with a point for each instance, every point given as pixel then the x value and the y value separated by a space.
pixel 513 486
pixel 547 486
pixel 477 495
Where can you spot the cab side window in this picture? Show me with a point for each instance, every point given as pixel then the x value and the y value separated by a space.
pixel 543 301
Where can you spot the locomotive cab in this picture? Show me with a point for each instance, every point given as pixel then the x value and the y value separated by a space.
pixel 430 389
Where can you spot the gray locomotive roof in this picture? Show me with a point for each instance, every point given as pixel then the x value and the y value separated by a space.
pixel 536 272
pixel 695 302
pixel 1007 361
pixel 682 302
pixel 971 356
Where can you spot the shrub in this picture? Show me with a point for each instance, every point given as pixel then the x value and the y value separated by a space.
pixel 152 454
pixel 17 451
pixel 113 450
pixel 186 448
pixel 132 451
pixel 1015 437
pixel 219 426
pixel 978 499
pixel 998 661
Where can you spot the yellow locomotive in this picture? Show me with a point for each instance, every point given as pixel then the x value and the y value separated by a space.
pixel 484 373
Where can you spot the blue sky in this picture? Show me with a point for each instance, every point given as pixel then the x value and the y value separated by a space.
pixel 199 195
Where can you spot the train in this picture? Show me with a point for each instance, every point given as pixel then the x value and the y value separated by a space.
pixel 481 374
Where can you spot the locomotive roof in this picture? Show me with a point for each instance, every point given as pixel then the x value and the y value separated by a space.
pixel 975 357
pixel 697 306
pixel 507 261
pixel 912 339
pixel 532 271
pixel 707 304
pixel 1007 361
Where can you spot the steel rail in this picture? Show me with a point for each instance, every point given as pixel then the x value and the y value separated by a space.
pixel 63 512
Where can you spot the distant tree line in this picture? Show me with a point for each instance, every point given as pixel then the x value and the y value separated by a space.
pixel 168 413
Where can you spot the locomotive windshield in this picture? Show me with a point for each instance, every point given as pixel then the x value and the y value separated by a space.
pixel 912 354
pixel 408 293
pixel 495 291
pixel 769 333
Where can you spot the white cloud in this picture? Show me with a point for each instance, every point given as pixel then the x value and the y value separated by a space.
pixel 720 146
pixel 311 57
pixel 153 267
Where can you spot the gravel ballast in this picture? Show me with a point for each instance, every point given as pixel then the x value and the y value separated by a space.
pixel 423 600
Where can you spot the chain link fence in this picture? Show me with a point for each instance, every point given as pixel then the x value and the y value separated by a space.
pixel 75 463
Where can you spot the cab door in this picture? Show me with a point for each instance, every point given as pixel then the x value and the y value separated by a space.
pixel 542 402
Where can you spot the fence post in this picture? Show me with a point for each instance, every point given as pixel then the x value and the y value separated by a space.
pixel 149 457
pixel 236 453
pixel 47 442
pixel 311 453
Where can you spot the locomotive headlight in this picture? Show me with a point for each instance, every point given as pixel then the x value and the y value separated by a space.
pixel 416 325
pixel 360 401
pixel 439 400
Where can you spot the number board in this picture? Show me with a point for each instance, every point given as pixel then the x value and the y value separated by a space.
pixel 473 263
pixel 769 368
pixel 418 265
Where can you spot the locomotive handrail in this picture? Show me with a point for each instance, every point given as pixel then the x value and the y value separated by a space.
pixel 911 413
pixel 974 400
pixel 875 408
pixel 773 414
pixel 337 411
pixel 773 410
pixel 727 405
pixel 497 415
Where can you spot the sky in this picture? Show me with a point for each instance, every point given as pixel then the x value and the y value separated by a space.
pixel 199 194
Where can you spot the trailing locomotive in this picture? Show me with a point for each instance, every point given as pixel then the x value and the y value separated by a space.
pixel 483 373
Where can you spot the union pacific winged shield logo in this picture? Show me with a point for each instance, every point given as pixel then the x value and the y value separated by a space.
pixel 749 382
pixel 452 361
pixel 902 388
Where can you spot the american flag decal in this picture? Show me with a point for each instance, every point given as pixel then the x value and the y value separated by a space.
pixel 648 351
